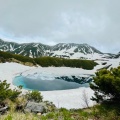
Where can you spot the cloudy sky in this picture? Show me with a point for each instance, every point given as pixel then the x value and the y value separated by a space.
pixel 95 22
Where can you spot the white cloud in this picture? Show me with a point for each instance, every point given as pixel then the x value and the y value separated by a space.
pixel 53 21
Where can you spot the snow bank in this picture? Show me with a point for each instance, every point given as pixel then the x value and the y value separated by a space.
pixel 65 98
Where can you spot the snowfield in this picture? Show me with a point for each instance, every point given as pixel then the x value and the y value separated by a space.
pixel 62 98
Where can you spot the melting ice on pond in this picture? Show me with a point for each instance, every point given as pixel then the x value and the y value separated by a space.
pixel 48 82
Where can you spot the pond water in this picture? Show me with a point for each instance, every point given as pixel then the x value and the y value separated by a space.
pixel 46 85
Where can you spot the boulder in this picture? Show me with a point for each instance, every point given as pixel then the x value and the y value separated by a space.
pixel 35 107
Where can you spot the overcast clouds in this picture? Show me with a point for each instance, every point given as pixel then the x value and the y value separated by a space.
pixel 95 22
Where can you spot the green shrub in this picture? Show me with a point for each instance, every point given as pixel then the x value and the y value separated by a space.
pixel 107 85
pixel 7 93
pixel 34 96
pixel 58 62
pixel 6 56
pixel 50 115
pixel 50 61
pixel 9 117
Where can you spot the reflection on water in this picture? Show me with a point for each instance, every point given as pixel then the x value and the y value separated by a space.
pixel 46 85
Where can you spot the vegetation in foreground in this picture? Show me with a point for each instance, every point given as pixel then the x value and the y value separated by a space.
pixel 106 85
pixel 98 112
pixel 47 61
pixel 107 93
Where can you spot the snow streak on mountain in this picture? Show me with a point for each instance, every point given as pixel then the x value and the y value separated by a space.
pixel 62 50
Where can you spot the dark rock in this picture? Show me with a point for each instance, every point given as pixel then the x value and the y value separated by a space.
pixel 3 109
pixel 76 79
pixel 106 67
pixel 104 63
pixel 20 108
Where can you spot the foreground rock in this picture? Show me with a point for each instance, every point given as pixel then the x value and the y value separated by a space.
pixel 42 107
pixel 35 107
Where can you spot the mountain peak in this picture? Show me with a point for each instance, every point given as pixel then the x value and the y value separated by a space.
pixel 64 50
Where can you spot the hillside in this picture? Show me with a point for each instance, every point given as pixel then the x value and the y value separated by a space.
pixel 46 61
pixel 61 50
pixel 26 49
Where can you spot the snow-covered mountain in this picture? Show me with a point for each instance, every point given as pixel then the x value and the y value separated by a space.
pixel 117 55
pixel 63 50
pixel 25 49
pixel 73 51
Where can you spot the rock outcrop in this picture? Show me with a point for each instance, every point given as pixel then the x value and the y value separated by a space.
pixel 35 107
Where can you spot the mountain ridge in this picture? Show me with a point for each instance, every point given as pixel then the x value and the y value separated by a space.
pixel 62 50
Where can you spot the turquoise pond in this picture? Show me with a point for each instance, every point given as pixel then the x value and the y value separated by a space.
pixel 46 85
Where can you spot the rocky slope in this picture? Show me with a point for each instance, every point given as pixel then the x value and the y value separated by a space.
pixel 62 50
